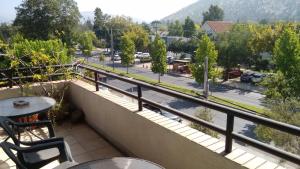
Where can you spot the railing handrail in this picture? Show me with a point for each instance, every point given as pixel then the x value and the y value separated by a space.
pixel 229 111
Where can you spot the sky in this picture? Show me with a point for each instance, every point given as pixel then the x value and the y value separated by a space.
pixel 143 10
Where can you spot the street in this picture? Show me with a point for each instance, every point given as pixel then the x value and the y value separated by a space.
pixel 246 97
pixel 240 126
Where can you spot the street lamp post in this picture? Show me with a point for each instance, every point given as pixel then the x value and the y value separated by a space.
pixel 112 47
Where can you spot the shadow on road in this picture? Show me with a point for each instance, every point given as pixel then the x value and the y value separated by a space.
pixel 195 85
pixel 248 131
pixel 182 104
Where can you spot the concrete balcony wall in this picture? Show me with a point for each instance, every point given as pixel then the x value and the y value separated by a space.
pixel 141 135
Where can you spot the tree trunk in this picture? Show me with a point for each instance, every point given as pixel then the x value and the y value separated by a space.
pixel 158 77
pixel 127 68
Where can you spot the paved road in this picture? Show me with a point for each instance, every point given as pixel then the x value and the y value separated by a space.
pixel 240 126
pixel 250 98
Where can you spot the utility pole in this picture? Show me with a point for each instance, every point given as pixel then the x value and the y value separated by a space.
pixel 206 87
pixel 112 48
pixel 156 27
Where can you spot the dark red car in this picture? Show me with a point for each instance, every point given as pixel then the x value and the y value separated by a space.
pixel 234 73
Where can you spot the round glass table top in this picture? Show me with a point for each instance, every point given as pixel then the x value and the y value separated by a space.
pixel 118 163
pixel 25 106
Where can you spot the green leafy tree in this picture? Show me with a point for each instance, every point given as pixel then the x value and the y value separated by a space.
pixel 146 27
pixel 286 111
pixel 41 55
pixel 189 28
pixel 127 49
pixel 119 25
pixel 7 31
pixel 3 58
pixel 158 53
pixel 88 24
pixel 287 59
pixel 206 48
pixel 283 95
pixel 46 19
pixel 187 47
pixel 175 29
pixel 86 42
pixel 233 48
pixel 176 46
pixel 139 36
pixel 100 21
pixel 37 52
pixel 277 87
pixel 214 13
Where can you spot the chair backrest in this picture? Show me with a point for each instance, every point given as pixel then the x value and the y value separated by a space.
pixel 7 148
pixel 7 125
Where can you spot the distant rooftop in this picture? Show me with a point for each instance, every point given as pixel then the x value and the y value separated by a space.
pixel 219 26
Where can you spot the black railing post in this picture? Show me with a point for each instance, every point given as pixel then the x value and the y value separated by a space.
pixel 96 81
pixel 139 90
pixel 229 129
pixel 10 78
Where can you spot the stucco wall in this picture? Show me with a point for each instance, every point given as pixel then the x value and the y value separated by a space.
pixel 137 133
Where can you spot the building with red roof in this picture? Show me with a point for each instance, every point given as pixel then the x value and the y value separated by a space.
pixel 213 28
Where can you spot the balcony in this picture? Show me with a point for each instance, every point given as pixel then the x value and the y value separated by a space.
pixel 117 125
pixel 85 144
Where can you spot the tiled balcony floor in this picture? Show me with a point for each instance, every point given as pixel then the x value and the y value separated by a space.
pixel 85 144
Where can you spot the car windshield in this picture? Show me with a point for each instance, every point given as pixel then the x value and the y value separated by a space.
pixel 257 75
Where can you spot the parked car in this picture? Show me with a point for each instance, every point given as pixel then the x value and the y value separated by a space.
pixel 145 55
pixel 116 57
pixel 145 59
pixel 170 59
pixel 246 77
pixel 162 112
pixel 252 77
pixel 234 73
pixel 257 77
pixel 138 54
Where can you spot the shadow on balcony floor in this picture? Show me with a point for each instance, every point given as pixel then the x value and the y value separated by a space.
pixel 85 144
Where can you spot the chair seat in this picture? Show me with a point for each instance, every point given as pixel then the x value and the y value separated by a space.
pixel 41 155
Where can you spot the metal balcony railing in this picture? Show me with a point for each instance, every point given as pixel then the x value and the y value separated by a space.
pixel 232 113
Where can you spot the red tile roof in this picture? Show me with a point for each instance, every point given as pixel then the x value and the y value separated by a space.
pixel 220 26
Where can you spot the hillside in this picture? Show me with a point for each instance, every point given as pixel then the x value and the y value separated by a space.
pixel 243 10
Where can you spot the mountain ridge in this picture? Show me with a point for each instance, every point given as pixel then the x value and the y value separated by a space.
pixel 242 10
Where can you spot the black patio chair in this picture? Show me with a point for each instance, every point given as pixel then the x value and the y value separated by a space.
pixel 37 156
pixel 11 127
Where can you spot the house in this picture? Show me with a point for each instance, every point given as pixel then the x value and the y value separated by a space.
pixel 213 28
